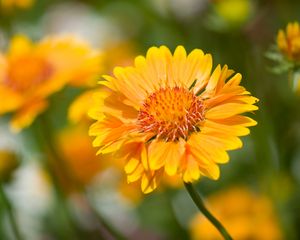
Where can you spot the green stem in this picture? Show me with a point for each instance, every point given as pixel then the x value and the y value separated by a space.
pixel 11 215
pixel 199 202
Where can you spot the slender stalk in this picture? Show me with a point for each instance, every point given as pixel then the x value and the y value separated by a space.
pixel 11 214
pixel 199 202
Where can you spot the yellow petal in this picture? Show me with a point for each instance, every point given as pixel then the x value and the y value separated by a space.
pixel 221 140
pixel 78 110
pixel 26 115
pixel 203 73
pixel 10 100
pixel 235 80
pixel 98 98
pixel 161 153
pixel 238 120
pixel 193 63
pixel 212 171
pixel 150 83
pixel 157 67
pixel 213 81
pixel 172 161
pixel 191 171
pixel 131 165
pixel 135 175
pixel 19 46
pixel 205 151
pixel 229 110
pixel 236 130
pixel 202 161
pixel 178 65
pixel 150 181
pixel 144 157
pixel 128 87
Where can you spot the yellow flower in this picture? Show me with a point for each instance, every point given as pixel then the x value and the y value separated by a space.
pixel 169 114
pixel 30 72
pixel 79 156
pixel 246 215
pixel 118 54
pixel 83 164
pixel 288 42
pixel 234 12
pixel 8 163
pixel 9 4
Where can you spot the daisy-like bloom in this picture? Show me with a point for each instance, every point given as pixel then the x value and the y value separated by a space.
pixel 169 114
pixel 242 212
pixel 288 41
pixel 9 4
pixel 31 72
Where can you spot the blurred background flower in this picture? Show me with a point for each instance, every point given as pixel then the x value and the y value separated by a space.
pixel 289 41
pixel 242 211
pixel 30 73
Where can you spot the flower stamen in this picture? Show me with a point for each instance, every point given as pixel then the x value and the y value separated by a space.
pixel 171 113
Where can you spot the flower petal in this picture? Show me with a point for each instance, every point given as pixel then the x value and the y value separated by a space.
pixel 26 115
pixel 228 110
pixel 161 153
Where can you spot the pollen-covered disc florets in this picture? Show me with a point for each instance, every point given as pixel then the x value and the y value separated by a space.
pixel 171 113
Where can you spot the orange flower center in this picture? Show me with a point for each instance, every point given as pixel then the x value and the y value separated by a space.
pixel 171 113
pixel 26 72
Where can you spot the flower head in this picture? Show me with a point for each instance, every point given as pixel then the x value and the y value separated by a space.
pixel 29 73
pixel 169 114
pixel 242 212
pixel 289 41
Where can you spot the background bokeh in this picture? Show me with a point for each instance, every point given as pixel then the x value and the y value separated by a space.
pixel 237 33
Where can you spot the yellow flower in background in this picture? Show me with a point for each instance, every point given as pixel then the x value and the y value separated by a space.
pixel 80 157
pixel 288 41
pixel 234 11
pixel 170 114
pixel 9 4
pixel 246 215
pixel 31 72
pixel 8 163
pixel 83 164
pixel 116 54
